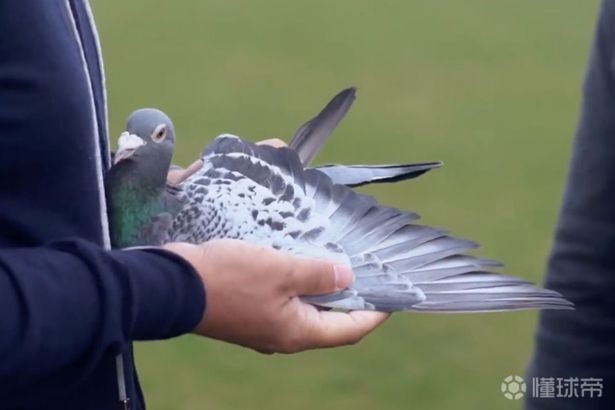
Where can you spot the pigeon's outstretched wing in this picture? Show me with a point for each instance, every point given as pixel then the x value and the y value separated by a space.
pixel 311 136
pixel 357 175
pixel 264 195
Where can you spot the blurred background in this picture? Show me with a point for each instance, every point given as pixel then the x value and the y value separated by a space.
pixel 489 87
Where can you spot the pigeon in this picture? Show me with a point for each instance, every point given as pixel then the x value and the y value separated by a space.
pixel 273 197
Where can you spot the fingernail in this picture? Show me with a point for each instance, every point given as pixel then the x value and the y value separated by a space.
pixel 343 276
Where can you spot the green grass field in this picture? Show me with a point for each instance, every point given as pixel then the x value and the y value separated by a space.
pixel 489 87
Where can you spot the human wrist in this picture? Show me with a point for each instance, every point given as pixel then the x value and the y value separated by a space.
pixel 168 297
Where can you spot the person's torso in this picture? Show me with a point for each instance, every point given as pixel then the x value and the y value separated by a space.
pixel 53 153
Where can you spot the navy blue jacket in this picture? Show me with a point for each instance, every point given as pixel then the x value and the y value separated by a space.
pixel 581 344
pixel 68 305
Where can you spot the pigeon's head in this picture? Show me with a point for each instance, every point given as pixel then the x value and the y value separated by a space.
pixel 149 134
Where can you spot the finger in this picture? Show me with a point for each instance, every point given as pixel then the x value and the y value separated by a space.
pixel 338 329
pixel 263 351
pixel 178 175
pixel 174 175
pixel 314 277
pixel 274 142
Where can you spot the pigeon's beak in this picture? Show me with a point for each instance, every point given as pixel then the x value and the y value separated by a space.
pixel 126 146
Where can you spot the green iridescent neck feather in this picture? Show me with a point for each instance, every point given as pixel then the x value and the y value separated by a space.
pixel 131 211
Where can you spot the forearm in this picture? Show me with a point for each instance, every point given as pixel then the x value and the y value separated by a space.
pixel 66 305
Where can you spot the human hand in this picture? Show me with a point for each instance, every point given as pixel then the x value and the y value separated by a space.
pixel 253 298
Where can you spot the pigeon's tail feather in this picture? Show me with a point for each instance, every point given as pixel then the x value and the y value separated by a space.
pixel 311 136
pixel 357 175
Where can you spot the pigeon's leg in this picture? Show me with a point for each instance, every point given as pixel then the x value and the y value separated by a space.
pixel 157 231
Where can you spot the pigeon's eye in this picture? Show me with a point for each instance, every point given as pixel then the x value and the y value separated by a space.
pixel 159 133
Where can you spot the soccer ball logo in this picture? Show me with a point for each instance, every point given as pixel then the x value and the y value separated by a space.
pixel 513 387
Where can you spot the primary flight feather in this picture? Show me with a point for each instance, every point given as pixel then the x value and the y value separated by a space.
pixel 271 197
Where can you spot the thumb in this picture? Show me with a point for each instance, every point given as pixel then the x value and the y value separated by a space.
pixel 313 277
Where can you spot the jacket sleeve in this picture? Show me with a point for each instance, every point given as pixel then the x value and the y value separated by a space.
pixel 64 305
pixel 580 343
